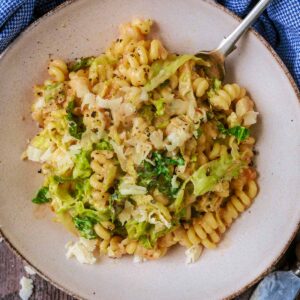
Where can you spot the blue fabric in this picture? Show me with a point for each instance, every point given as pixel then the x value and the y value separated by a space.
pixel 16 15
pixel 279 25
pixel 278 286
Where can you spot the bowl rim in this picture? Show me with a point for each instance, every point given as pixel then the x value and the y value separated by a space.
pixel 276 58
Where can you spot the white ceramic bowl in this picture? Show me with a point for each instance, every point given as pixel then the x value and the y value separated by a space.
pixel 254 242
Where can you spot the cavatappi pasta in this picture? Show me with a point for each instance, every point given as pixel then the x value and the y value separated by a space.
pixel 141 150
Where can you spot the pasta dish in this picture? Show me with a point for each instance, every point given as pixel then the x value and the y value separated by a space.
pixel 141 150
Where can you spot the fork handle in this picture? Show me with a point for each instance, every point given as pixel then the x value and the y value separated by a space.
pixel 228 44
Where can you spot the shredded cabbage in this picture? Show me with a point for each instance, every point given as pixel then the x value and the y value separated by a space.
pixel 82 168
pixel 164 70
pixel 131 189
pixel 160 106
pixel 178 132
pixel 93 70
pixel 208 176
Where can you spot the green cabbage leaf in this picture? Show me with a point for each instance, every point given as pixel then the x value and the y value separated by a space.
pixel 163 70
pixel 208 176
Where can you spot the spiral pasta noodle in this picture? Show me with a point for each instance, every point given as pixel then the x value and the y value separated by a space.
pixel 208 229
pixel 58 70
pixel 223 98
pixel 103 176
pixel 200 86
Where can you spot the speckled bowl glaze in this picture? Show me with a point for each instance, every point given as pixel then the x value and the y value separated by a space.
pixel 254 242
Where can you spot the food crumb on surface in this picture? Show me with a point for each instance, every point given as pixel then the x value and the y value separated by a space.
pixel 82 250
pixel 29 270
pixel 193 254
pixel 137 259
pixel 26 288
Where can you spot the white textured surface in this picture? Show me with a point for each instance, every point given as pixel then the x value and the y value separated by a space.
pixel 253 242
pixel 193 254
pixel 26 288
pixel 29 270
pixel 82 250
